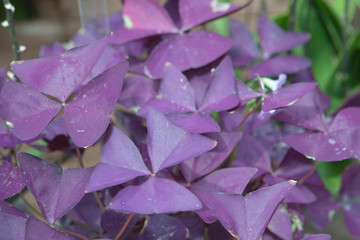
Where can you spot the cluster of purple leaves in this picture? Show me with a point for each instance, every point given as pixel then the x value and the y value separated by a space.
pixel 187 155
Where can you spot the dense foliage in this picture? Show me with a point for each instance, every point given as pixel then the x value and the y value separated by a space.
pixel 202 136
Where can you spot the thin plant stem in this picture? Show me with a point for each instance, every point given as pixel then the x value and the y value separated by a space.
pixel 96 195
pixel 248 115
pixel 292 16
pixel 123 228
pixel 9 9
pixel 307 175
pixel 74 234
pixel 99 202
pixel 78 153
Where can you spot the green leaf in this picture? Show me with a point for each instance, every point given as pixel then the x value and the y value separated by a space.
pixel 222 25
pixel 331 174
pixel 325 43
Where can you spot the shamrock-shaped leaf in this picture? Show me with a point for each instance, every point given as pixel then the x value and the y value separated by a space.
pixel 55 190
pixel 339 142
pixel 86 116
pixel 167 145
pixel 274 40
pixel 25 111
pixel 68 70
pixel 246 217
pixel 177 97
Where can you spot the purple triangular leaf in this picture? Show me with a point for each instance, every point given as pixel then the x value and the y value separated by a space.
pixel 286 96
pixel 169 144
pixel 194 13
pixel 156 195
pixel 69 70
pixel 136 16
pixel 246 218
pixel 273 39
pixel 137 90
pixel 251 153
pixel 186 51
pixel 121 162
pixel 221 93
pixel 36 229
pixel 228 180
pixel 280 224
pixel 272 67
pixel 55 190
pixel 13 222
pixel 25 111
pixel 195 122
pixel 304 113
pixel 352 219
pixel 244 50
pixel 245 93
pixel 87 116
pixel 164 227
pixel 345 128
pixel 199 166
pixel 11 181
pixel 318 146
pixel 175 94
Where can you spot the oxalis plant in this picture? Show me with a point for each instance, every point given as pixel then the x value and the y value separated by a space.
pixel 202 136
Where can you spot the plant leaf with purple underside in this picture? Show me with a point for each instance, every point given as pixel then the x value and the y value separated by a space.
pixel 274 40
pixel 251 153
pixel 13 222
pixel 36 229
pixel 87 115
pixel 120 162
pixel 193 168
pixel 338 143
pixel 244 50
pixel 304 113
pixel 246 217
pixel 132 95
pixel 11 181
pixel 228 180
pixel 281 64
pixel 175 94
pixel 194 13
pixel 136 15
pixel 156 195
pixel 164 227
pixel 55 190
pixel 221 93
pixel 60 75
pixel 25 110
pixel 186 51
pixel 196 122
pixel 280 223
pixel 168 144
pixel 286 96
